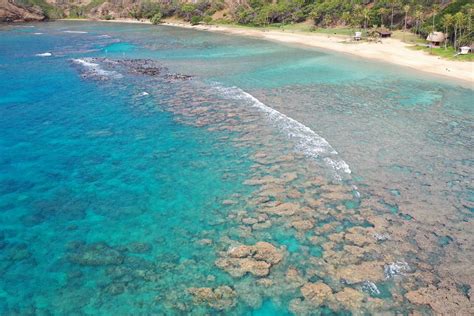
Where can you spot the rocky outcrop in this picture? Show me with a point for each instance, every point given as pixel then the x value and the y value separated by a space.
pixel 256 260
pixel 219 298
pixel 13 12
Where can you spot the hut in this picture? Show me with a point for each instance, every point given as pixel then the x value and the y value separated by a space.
pixel 436 38
pixel 383 33
pixel 465 50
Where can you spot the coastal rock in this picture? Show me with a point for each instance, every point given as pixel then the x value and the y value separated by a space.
pixel 220 298
pixel 257 259
pixel 13 12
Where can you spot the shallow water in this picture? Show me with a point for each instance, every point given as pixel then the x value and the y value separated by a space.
pixel 127 186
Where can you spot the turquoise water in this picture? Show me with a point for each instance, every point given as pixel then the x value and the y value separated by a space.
pixel 121 189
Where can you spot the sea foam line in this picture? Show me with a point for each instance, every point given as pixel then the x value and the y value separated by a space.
pixel 307 141
pixel 75 32
pixel 95 69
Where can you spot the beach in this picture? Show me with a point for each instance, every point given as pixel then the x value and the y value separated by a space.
pixel 388 50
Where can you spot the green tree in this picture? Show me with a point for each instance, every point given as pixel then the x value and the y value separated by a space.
pixel 448 22
pixel 406 9
pixel 188 9
pixel 418 20
pixel 459 20
pixel 382 12
pixel 156 19
pixel 393 5
pixel 435 11
pixel 365 13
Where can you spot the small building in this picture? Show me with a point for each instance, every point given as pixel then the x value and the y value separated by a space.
pixel 465 50
pixel 436 38
pixel 384 33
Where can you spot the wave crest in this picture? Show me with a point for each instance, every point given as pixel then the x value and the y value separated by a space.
pixel 93 70
pixel 307 141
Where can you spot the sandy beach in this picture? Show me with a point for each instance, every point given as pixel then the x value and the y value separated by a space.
pixel 389 50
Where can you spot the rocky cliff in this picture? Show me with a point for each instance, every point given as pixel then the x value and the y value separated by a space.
pixel 11 11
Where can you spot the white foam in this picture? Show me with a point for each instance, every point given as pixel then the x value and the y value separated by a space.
pixel 371 287
pixel 395 268
pixel 44 55
pixel 104 36
pixel 38 33
pixel 307 141
pixel 95 69
pixel 144 94
pixel 76 32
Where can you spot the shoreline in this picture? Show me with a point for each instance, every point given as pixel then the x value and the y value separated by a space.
pixel 391 51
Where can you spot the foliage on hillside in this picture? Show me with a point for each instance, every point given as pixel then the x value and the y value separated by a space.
pixel 420 16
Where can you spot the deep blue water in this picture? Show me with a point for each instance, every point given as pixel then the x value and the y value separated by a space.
pixel 117 201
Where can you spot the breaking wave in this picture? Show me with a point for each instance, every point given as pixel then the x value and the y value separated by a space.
pixel 95 71
pixel 307 141
pixel 75 32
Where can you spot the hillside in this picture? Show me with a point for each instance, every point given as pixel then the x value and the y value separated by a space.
pixel 15 12
pixel 420 16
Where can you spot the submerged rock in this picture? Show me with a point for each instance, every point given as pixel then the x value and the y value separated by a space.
pixel 366 271
pixel 437 298
pixel 256 260
pixel 350 299
pixel 316 293
pixel 220 298
pixel 98 254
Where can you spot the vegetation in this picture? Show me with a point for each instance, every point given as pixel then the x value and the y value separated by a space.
pixel 419 17
pixel 448 53
pixel 50 11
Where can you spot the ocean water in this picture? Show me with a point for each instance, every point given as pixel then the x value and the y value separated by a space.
pixel 136 160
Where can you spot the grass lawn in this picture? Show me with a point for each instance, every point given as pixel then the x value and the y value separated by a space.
pixel 408 37
pixel 446 54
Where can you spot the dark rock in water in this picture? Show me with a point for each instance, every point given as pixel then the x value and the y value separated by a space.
pixel 135 263
pixel 113 67
pixel 12 185
pixel 118 272
pixel 146 67
pixel 59 208
pixel 115 288
pixel 175 77
pixel 3 244
pixel 97 254
pixel 136 247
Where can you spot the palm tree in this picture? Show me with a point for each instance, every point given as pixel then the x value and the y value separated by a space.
pixel 366 16
pixel 435 11
pixel 448 21
pixel 459 20
pixel 382 12
pixel 406 8
pixel 419 19
pixel 393 4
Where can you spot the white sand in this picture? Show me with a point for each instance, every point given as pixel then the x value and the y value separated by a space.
pixel 390 50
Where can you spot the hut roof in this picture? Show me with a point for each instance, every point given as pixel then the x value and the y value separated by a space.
pixel 436 37
pixel 383 32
